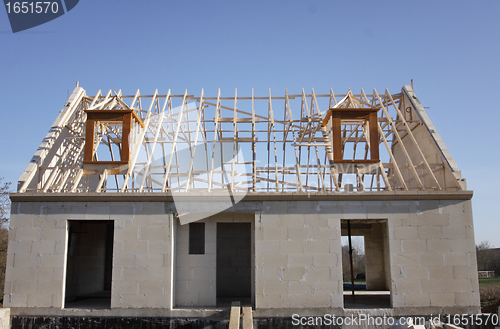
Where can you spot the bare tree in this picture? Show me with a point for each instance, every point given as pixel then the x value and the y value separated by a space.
pixel 4 201
pixel 484 256
pixel 4 232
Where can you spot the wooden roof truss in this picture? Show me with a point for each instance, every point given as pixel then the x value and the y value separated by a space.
pixel 200 143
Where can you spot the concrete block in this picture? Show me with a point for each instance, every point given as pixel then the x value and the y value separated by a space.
pixel 200 273
pixel 405 232
pixel 19 247
pixel 49 288
pixel 53 234
pixel 429 232
pixel 411 246
pixel 294 273
pixel 275 259
pixel 454 232
pixel 464 272
pixel 134 246
pixel 317 246
pixel 439 245
pixel 327 260
pixel 290 220
pixel 158 301
pixel 134 274
pixel 207 299
pixel 462 245
pixel 298 233
pixel 129 287
pixel 417 300
pixel 466 299
pixel 316 221
pixel 23 287
pixel 301 287
pixel 153 233
pixel 160 274
pixel 150 260
pixel 150 288
pixel 455 258
pixel 275 287
pixel 437 272
pixel 124 260
pixel 267 247
pixel 319 233
pixel 431 258
pixel 189 299
pixel 292 247
pixel 270 221
pixel 44 274
pixel 49 260
pixel 43 247
pixel 409 287
pixel 267 301
pixel 275 233
pixel 35 300
pixel 415 273
pixel 301 301
pixel 28 233
pixel 433 286
pixel 133 301
pixel 318 274
pixel 443 299
pixel 408 259
pixel 458 285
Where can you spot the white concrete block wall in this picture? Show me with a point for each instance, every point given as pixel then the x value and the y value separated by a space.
pixel 141 277
pixel 298 257
pixel 142 256
pixel 432 260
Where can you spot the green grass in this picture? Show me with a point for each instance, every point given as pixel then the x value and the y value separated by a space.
pixel 489 281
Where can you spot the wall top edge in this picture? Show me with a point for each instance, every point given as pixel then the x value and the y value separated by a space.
pixel 276 196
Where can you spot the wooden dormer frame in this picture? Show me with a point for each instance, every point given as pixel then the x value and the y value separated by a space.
pixel 123 116
pixel 369 115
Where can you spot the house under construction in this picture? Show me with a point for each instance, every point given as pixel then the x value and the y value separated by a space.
pixel 160 203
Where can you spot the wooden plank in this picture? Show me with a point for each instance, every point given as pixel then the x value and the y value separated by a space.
pixel 198 131
pixel 393 160
pixel 138 142
pixel 396 134
pixel 154 142
pixel 247 317
pixel 234 317
pixel 174 145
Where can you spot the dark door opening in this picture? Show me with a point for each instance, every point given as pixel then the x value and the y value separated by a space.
pixel 233 263
pixel 89 264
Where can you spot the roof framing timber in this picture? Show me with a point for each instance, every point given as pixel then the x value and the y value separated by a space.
pixel 188 143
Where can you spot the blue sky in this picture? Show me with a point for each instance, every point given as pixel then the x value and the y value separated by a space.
pixel 450 49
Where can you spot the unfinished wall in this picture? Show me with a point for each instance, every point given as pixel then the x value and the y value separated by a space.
pixel 37 252
pixel 377 257
pixel 297 254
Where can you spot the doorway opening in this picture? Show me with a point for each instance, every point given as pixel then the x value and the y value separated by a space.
pixel 233 271
pixel 89 264
pixel 368 284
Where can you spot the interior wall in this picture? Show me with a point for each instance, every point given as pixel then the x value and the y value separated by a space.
pixel 196 275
